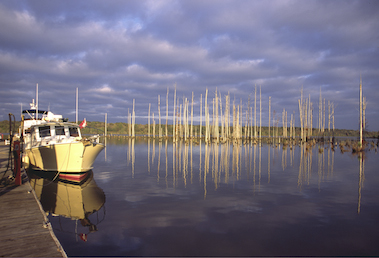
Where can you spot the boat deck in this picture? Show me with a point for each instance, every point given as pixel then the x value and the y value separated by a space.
pixel 24 227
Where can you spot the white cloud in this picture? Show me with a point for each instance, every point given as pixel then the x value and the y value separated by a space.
pixel 104 89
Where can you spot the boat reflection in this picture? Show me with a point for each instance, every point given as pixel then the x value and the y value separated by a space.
pixel 69 197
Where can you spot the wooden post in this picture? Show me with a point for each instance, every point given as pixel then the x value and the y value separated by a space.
pixel 226 114
pixel 301 112
pixel 234 120
pixel 206 117
pixel 191 134
pixel 134 120
pixel 251 124
pixel 329 116
pixel 283 113
pixel 148 122
pixel 291 126
pixel 185 119
pixel 173 117
pixel 255 112
pixel 364 113
pixel 222 120
pixel 320 113
pixel 260 112
pixel 213 119
pixel 246 125
pixel 241 122
pixel 248 118
pixel 306 118
pixel 269 115
pixel 360 114
pixel 201 115
pixel 167 114
pixel 159 117
pixel 181 122
pixel 333 116
pixel 323 118
pixel 153 126
pixel 129 123
pixel 309 117
pixel 105 125
pixel 286 125
pixel 216 129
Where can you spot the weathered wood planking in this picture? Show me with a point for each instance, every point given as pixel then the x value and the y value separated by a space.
pixel 23 228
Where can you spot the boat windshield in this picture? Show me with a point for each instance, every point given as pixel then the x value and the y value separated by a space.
pixel 44 131
pixel 74 132
pixel 59 130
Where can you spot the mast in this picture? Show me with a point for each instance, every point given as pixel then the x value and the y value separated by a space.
pixel 360 113
pixel 105 125
pixel 37 102
pixel 77 105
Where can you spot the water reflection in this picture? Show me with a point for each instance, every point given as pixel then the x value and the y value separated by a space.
pixel 235 198
pixel 361 179
pixel 232 161
pixel 222 163
pixel 74 197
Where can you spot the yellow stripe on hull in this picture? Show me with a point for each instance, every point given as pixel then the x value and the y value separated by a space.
pixel 65 157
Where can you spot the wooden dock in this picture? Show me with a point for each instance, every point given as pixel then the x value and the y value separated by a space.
pixel 24 228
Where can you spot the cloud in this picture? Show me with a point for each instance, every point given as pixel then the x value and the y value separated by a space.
pixel 104 89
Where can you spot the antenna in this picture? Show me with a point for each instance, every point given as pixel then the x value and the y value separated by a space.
pixel 37 102
pixel 77 93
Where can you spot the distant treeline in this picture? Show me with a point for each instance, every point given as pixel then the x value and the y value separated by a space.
pixel 142 129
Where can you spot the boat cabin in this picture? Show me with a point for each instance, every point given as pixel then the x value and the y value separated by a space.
pixel 53 133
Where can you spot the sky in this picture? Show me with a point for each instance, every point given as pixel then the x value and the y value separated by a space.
pixel 115 52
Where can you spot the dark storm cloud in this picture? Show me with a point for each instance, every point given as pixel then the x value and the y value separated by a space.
pixel 118 51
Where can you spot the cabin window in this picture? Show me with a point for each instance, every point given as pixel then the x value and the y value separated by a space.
pixel 74 131
pixel 59 130
pixel 44 131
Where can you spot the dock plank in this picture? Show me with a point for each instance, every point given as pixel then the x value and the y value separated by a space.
pixel 25 231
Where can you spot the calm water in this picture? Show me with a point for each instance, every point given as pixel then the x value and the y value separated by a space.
pixel 147 199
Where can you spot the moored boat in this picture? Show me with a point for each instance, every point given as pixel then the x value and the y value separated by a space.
pixel 53 144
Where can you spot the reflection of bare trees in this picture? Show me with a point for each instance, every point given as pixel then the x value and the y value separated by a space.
pixel 131 156
pixel 361 179
pixel 236 161
pixel 225 160
pixel 206 169
pixel 305 166
pixel 159 159
pixel 268 165
pixel 233 161
pixel 185 164
pixel 213 165
pixel 306 159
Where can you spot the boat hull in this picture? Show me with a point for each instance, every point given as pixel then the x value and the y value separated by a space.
pixel 65 157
